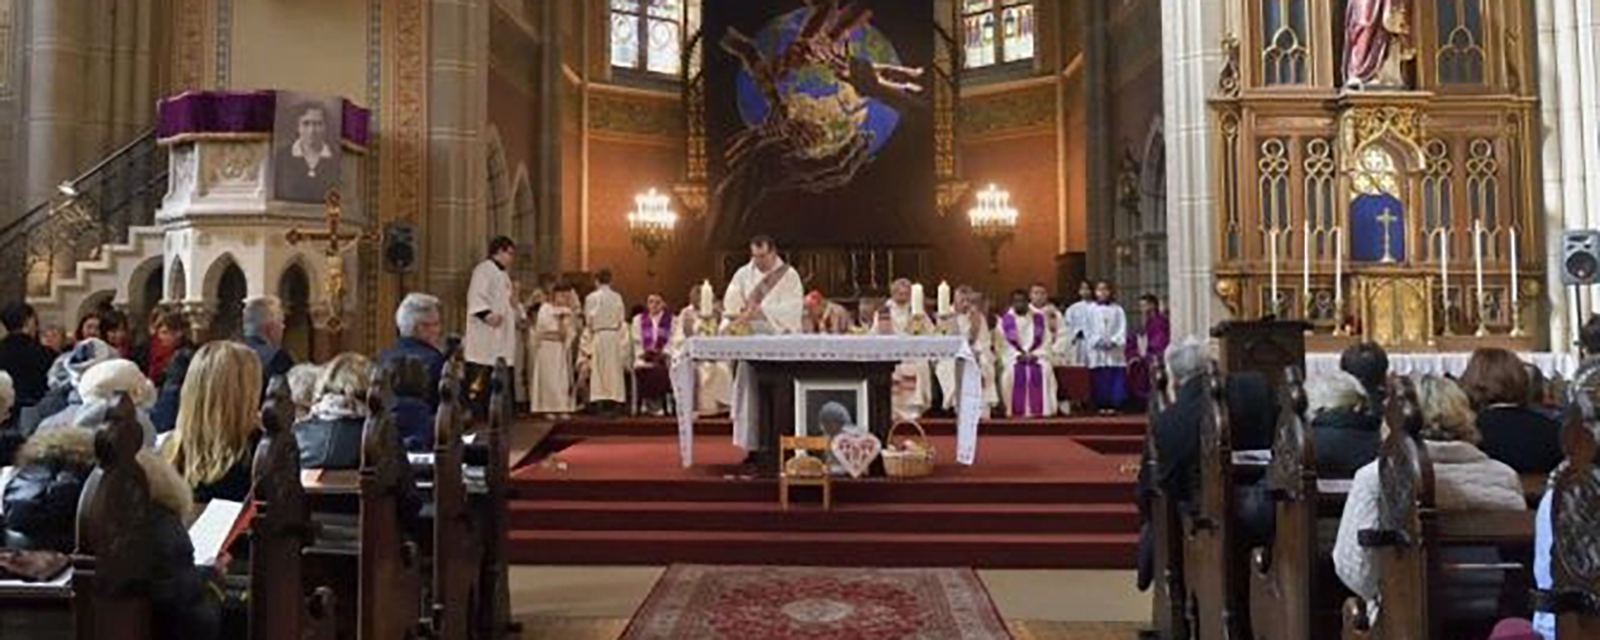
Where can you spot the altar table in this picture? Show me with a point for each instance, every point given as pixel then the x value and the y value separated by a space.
pixel 807 352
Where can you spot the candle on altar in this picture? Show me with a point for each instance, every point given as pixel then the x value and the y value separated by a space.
pixel 707 299
pixel 1477 257
pixel 917 300
pixel 1305 293
pixel 945 308
pixel 1515 286
pixel 1272 257
pixel 1444 268
pixel 1338 272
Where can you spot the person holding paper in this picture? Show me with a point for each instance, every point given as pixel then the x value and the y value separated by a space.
pixel 216 433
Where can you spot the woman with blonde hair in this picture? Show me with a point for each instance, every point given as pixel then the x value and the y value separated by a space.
pixel 218 415
pixel 330 432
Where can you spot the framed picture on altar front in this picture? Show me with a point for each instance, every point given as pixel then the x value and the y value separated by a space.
pixel 823 407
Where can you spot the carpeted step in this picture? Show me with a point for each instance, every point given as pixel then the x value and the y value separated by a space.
pixel 927 490
pixel 1089 426
pixel 768 515
pixel 1083 551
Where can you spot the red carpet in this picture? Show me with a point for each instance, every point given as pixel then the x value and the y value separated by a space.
pixel 780 603
pixel 1031 501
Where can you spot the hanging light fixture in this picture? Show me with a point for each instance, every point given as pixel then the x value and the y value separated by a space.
pixel 994 221
pixel 651 224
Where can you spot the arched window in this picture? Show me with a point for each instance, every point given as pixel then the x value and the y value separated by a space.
pixel 648 35
pixel 996 31
pixel 1284 55
pixel 1460 41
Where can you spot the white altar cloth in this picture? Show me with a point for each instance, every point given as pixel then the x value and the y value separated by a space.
pixel 1452 363
pixel 743 350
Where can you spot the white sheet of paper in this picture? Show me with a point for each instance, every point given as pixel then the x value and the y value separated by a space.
pixel 420 459
pixel 211 530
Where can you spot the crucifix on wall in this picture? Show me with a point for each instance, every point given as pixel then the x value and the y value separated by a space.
pixel 335 243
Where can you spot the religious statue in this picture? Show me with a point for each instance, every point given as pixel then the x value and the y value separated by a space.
pixel 1377 43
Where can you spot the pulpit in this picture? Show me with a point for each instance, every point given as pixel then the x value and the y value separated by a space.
pixel 1264 346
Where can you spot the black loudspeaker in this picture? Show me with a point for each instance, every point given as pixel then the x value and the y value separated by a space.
pixel 399 247
pixel 1580 257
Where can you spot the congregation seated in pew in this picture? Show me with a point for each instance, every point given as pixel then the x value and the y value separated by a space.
pixel 1513 431
pixel 1465 478
pixel 1344 428
pixel 217 418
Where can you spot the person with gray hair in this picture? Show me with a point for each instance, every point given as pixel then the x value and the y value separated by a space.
pixel 1344 424
pixel 1187 359
pixel 263 333
pixel 420 322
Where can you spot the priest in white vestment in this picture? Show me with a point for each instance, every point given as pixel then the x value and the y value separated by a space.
pixel 1107 336
pixel 607 319
pixel 766 295
pixel 969 321
pixel 651 334
pixel 493 312
pixel 713 387
pixel 1027 381
pixel 550 389
pixel 1073 350
pixel 1039 300
pixel 913 379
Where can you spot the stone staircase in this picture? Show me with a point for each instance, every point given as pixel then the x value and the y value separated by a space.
pixel 118 271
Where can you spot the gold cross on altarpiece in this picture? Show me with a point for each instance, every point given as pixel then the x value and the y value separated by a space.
pixel 1387 219
pixel 335 244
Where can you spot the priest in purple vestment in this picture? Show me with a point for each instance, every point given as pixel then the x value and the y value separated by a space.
pixel 652 331
pixel 1376 41
pixel 1144 352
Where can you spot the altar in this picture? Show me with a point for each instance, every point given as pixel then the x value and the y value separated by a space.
pixel 774 375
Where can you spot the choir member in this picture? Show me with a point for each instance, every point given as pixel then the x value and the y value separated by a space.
pixel 1107 335
pixel 1073 350
pixel 607 319
pixel 1027 382
pixel 553 330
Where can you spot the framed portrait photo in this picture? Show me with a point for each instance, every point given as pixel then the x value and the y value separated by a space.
pixel 823 407
pixel 306 149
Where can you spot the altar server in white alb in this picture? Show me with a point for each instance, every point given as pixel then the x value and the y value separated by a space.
pixel 765 295
pixel 493 313
pixel 551 362
pixel 970 321
pixel 913 379
pixel 714 382
pixel 1027 381
pixel 1107 336
pixel 607 320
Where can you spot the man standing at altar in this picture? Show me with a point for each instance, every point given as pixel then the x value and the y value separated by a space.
pixel 1073 349
pixel 1107 337
pixel 652 331
pixel 1027 382
pixel 765 296
pixel 913 379
pixel 493 313
pixel 825 316
pixel 713 387
pixel 969 321
pixel 606 317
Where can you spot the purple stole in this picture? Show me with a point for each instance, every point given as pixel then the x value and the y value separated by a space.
pixel 654 335
pixel 1027 375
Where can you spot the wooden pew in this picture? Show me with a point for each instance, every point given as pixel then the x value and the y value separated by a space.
pixel 1289 579
pixel 1167 591
pixel 280 530
pixel 1211 575
pixel 113 564
pixel 494 612
pixel 389 588
pixel 1574 596
pixel 455 527
pixel 1412 531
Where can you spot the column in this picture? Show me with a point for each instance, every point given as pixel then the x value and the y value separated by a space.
pixel 457 214
pixel 1569 98
pixel 1191 36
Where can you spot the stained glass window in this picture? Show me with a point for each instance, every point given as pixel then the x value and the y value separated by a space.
pixel 996 31
pixel 648 34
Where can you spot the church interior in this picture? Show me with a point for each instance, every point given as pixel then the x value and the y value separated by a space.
pixel 727 319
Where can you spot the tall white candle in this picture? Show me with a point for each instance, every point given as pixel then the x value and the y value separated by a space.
pixel 1515 286
pixel 1305 292
pixel 1444 267
pixel 1477 258
pixel 945 308
pixel 707 299
pixel 1272 256
pixel 917 300
pixel 1338 273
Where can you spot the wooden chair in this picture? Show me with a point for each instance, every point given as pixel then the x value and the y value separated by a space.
pixel 280 530
pixel 1412 533
pixel 804 470
pixel 1167 591
pixel 1211 610
pixel 1574 596
pixel 389 587
pixel 113 564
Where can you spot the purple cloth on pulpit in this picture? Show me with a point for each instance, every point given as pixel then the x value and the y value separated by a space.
pixel 222 112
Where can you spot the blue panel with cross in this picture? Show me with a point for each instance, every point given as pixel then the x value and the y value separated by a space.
pixel 1377 229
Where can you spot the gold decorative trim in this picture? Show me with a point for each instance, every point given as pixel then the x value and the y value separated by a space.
pixel 1228 84
pixel 1362 126
pixel 403 156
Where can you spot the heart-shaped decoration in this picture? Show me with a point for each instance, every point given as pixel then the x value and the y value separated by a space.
pixel 855 449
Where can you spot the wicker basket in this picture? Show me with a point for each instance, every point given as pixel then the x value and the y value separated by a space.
pixel 910 457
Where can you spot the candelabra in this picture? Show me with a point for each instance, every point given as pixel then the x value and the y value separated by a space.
pixel 994 221
pixel 650 225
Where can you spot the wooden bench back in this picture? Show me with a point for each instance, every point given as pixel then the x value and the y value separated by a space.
pixel 1574 596
pixel 494 582
pixel 113 564
pixel 456 545
pixel 389 588
pixel 1285 584
pixel 1167 590
pixel 280 530
pixel 1211 610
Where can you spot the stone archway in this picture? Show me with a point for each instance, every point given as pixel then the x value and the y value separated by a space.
pixel 501 207
pixel 299 332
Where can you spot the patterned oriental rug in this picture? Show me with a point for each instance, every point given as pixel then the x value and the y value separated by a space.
pixel 694 602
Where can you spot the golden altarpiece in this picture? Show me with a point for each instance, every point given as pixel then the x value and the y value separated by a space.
pixel 1376 172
